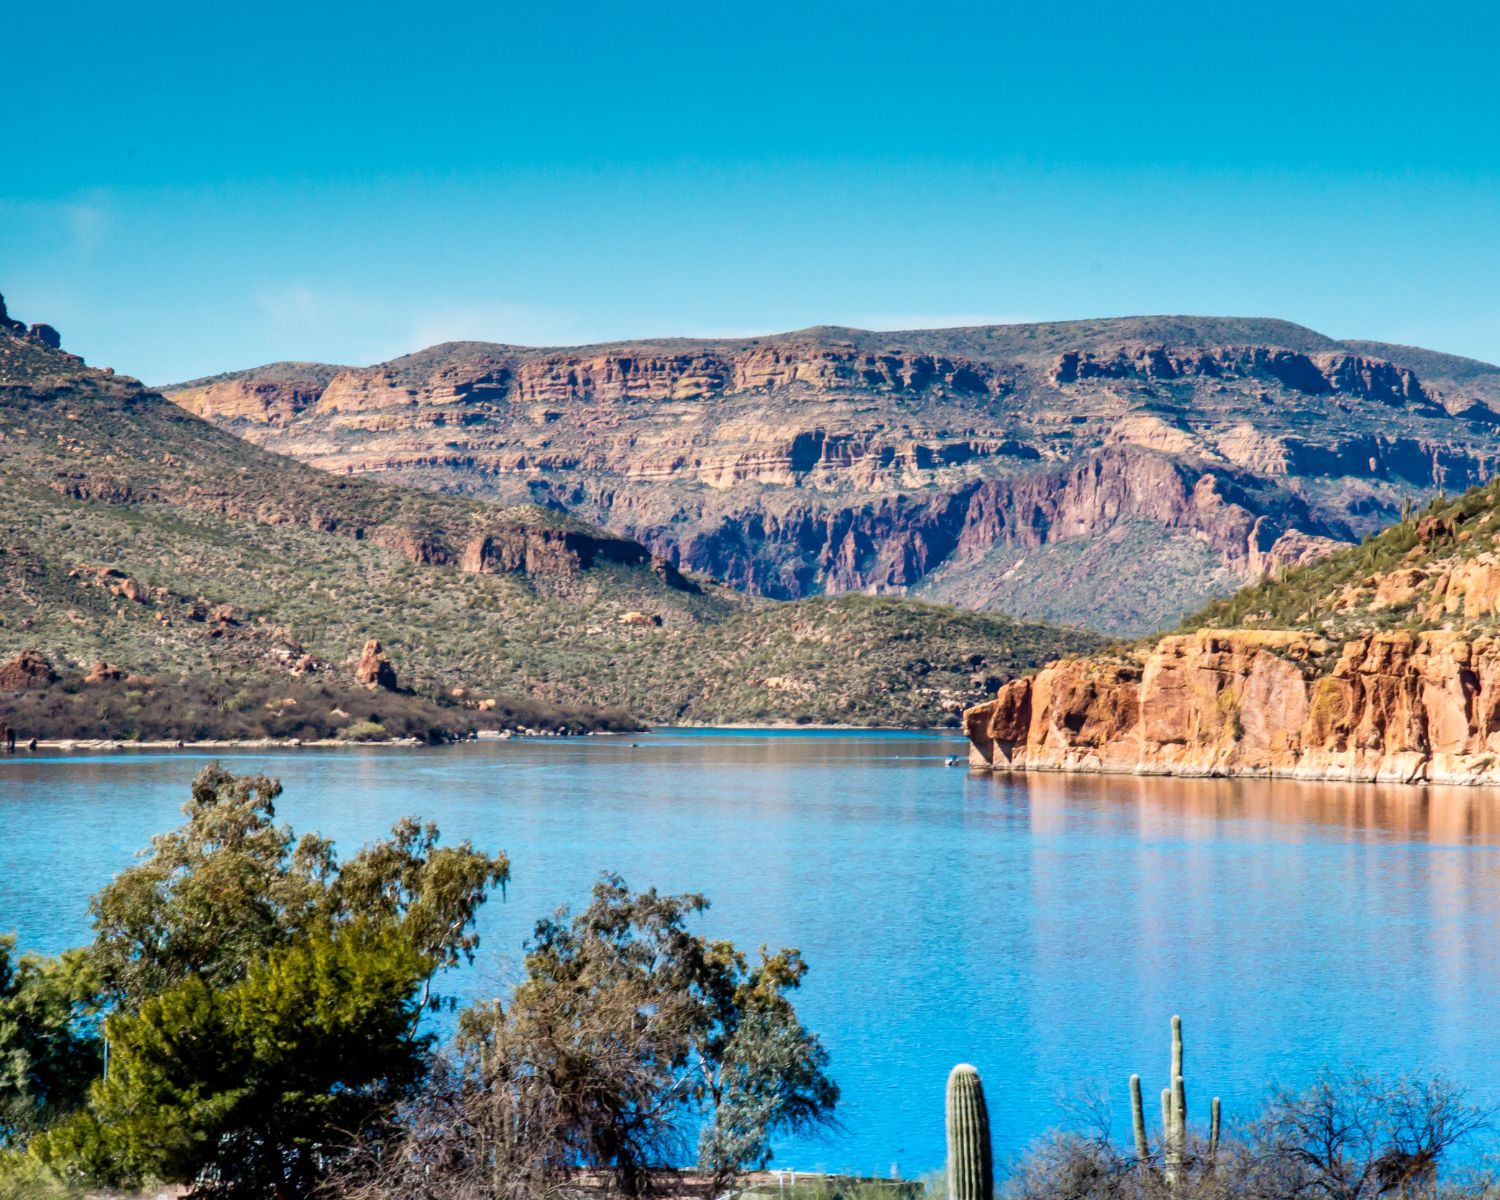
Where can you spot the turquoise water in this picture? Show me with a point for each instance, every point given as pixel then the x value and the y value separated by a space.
pixel 1043 928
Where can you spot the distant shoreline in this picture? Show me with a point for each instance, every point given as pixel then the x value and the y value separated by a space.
pixel 71 745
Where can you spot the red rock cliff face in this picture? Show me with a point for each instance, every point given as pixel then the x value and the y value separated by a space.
pixel 1393 707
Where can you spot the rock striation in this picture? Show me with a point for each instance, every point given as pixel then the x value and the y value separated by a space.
pixel 1396 707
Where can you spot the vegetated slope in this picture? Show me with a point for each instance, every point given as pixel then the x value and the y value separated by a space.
pixel 981 466
pixel 137 535
pixel 1378 662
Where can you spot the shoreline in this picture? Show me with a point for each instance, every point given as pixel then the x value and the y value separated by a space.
pixel 93 745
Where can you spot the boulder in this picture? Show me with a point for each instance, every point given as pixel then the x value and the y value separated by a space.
pixel 132 589
pixel 103 672
pixel 374 669
pixel 47 335
pixel 27 670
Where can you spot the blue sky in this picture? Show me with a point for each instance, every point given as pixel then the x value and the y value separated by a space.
pixel 194 188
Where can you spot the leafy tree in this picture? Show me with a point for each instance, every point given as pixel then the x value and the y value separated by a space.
pixel 627 1032
pixel 711 1038
pixel 770 1078
pixel 49 1050
pixel 251 1089
pixel 264 1001
pixel 212 895
pixel 215 895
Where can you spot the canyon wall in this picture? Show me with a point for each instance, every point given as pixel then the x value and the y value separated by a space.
pixel 1179 457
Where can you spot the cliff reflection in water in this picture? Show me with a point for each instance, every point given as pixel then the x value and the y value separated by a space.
pixel 1436 813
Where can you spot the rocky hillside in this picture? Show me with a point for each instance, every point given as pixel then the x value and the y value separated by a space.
pixel 1379 662
pixel 138 538
pixel 1113 473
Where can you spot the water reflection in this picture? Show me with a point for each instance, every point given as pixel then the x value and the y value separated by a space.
pixel 1435 814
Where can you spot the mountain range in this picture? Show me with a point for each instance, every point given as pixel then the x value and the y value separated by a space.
pixel 1109 474
pixel 140 544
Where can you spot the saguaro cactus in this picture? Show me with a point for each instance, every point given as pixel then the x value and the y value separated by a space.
pixel 1174 1115
pixel 1138 1119
pixel 971 1167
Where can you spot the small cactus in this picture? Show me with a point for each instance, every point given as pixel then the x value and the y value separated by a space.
pixel 971 1167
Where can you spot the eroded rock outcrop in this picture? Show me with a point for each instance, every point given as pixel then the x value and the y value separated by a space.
pixel 1387 706
pixel 374 670
pixel 29 669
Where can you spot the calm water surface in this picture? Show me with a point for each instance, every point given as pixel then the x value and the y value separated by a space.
pixel 1043 928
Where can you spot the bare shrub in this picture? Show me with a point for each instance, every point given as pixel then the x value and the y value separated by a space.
pixel 1352 1136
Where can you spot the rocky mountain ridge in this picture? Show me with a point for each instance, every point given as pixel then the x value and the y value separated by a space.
pixel 932 462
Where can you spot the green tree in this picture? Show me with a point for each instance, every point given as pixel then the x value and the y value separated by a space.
pixel 763 1073
pixel 713 1039
pixel 253 1088
pixel 229 885
pixel 628 1033
pixel 49 1048
pixel 263 1000
pixel 212 895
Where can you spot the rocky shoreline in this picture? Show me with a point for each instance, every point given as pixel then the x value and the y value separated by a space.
pixel 1385 707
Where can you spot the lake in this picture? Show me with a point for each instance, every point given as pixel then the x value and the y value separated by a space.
pixel 1044 928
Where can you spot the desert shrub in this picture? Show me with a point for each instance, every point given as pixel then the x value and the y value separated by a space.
pixel 1350 1136
pixel 288 708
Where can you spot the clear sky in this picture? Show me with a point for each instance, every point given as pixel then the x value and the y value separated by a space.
pixel 189 188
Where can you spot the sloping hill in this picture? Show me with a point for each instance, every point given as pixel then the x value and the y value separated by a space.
pixel 1379 662
pixel 1176 456
pixel 136 534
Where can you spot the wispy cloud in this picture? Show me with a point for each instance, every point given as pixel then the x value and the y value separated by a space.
pixel 87 223
pixel 58 227
pixel 335 324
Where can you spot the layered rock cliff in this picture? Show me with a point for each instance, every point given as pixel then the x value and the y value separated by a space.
pixel 1380 662
pixel 995 467
pixel 1394 707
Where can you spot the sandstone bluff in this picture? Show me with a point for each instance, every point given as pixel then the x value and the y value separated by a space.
pixel 1378 663
pixel 1395 707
